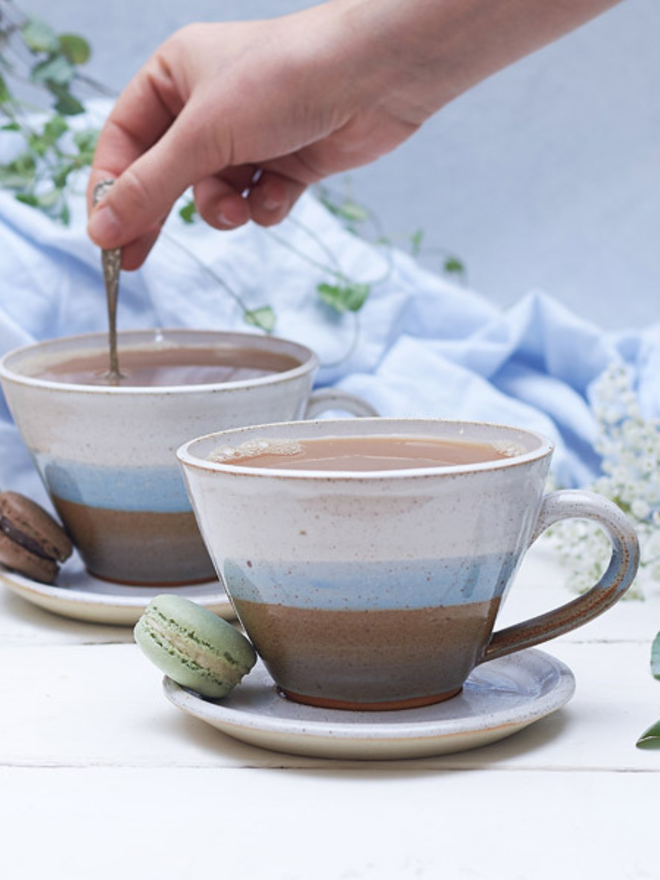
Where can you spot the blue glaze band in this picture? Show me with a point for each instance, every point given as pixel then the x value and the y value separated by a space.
pixel 159 489
pixel 371 585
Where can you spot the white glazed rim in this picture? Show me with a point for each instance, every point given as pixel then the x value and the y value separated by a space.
pixel 393 426
pixel 308 360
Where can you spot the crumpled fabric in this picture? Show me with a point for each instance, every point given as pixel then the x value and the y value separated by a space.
pixel 422 345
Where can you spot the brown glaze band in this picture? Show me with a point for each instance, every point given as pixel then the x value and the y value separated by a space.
pixel 129 547
pixel 395 658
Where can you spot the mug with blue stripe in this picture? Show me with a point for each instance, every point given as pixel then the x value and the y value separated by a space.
pixel 376 586
pixel 107 453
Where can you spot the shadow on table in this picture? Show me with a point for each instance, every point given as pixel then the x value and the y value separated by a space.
pixel 22 621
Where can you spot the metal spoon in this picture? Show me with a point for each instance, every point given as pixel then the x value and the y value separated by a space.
pixel 111 261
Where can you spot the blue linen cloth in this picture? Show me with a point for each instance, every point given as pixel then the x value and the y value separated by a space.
pixel 421 346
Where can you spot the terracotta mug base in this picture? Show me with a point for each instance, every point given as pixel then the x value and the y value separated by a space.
pixel 167 585
pixel 384 706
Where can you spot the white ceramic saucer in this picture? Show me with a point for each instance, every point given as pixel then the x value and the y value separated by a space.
pixel 500 698
pixel 78 595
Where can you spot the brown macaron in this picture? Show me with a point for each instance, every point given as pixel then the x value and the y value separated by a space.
pixel 31 541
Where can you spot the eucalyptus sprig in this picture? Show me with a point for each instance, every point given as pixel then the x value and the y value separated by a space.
pixel 650 739
pixel 361 221
pixel 36 60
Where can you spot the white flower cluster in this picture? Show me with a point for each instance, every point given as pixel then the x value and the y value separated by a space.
pixel 630 448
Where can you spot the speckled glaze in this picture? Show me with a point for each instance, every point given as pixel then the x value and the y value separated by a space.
pixel 380 589
pixel 107 454
pixel 499 699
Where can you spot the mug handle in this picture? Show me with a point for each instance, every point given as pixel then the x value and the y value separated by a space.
pixel 332 398
pixel 624 561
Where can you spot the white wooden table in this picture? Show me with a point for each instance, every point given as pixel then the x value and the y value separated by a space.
pixel 100 777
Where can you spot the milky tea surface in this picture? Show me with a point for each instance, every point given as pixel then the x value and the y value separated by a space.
pixel 170 366
pixel 362 453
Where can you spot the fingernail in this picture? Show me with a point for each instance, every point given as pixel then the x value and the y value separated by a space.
pixel 104 227
pixel 271 204
pixel 224 220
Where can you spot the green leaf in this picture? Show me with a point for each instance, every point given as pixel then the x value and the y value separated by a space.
pixel 19 173
pixel 86 143
pixel 56 69
pixel 655 657
pixel 5 94
pixel 75 48
pixel 39 36
pixel 61 174
pixel 10 126
pixel 650 739
pixel 53 130
pixel 454 266
pixel 187 213
pixel 353 212
pixel 66 104
pixel 48 200
pixel 263 317
pixel 416 242
pixel 344 297
pixel 27 199
pixel 86 140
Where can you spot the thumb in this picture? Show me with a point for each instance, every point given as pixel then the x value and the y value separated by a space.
pixel 138 203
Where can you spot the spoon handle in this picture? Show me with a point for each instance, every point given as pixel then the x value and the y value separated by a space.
pixel 111 263
pixel 111 260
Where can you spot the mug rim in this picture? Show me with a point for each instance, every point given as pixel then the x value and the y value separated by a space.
pixel 187 459
pixel 308 361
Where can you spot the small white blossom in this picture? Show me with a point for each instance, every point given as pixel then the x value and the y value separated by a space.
pixel 629 446
pixel 640 509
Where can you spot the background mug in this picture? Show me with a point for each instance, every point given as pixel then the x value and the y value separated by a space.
pixel 379 589
pixel 107 453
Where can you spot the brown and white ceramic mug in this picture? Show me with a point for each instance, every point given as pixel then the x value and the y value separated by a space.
pixel 106 453
pixel 371 579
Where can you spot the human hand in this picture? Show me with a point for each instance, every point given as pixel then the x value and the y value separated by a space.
pixel 249 114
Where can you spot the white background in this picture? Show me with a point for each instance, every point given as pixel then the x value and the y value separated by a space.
pixel 545 176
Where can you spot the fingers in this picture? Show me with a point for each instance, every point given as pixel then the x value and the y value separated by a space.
pixel 219 198
pixel 231 199
pixel 144 193
pixel 273 197
pixel 155 144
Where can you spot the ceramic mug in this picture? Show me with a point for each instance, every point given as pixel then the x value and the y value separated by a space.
pixel 107 453
pixel 379 589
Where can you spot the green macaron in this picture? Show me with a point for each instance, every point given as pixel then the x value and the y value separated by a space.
pixel 193 646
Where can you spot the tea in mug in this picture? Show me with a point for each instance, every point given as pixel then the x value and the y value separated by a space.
pixel 361 453
pixel 170 365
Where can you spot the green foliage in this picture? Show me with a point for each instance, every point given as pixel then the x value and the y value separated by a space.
pixel 188 212
pixel 416 240
pixel 75 48
pixel 349 297
pixel 50 153
pixel 263 318
pixel 453 266
pixel 40 172
pixel 39 36
pixel 655 657
pixel 650 739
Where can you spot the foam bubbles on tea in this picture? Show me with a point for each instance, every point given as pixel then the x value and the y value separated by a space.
pixel 508 448
pixel 254 449
pixel 360 453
